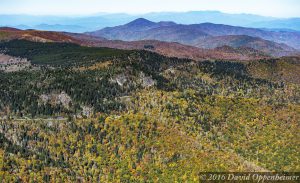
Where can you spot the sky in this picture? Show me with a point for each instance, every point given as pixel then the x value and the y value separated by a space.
pixel 274 8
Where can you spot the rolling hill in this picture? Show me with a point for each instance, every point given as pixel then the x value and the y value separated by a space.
pixel 217 47
pixel 239 41
pixel 165 48
pixel 172 49
pixel 194 34
pixel 7 33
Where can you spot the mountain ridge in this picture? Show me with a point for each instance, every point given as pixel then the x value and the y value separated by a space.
pixel 170 49
pixel 101 20
pixel 194 34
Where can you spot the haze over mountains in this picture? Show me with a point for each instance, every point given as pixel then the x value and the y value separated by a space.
pixel 164 48
pixel 98 21
pixel 206 35
pixel 171 34
pixel 194 41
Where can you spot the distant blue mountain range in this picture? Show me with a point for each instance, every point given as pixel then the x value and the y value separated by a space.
pixel 96 22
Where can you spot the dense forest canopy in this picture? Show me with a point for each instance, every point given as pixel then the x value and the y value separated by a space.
pixel 99 114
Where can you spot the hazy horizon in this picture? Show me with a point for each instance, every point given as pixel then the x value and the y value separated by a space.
pixel 279 9
pixel 138 14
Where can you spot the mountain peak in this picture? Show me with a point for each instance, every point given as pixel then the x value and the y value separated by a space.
pixel 141 22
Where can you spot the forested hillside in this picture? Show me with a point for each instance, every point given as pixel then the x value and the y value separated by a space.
pixel 81 114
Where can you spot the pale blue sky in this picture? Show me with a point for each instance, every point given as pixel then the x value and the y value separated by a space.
pixel 275 8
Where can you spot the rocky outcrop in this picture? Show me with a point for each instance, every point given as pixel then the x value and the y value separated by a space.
pixel 146 81
pixel 13 64
pixel 56 99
